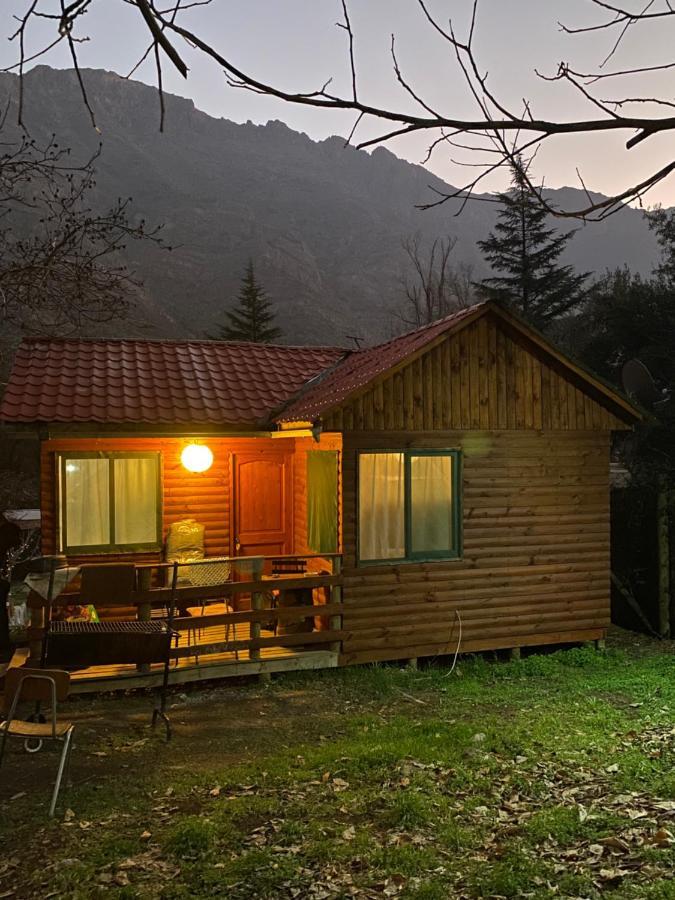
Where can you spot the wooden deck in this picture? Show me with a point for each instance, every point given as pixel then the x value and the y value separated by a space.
pixel 198 666
pixel 286 622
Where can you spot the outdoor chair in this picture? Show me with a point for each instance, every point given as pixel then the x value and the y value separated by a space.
pixel 282 567
pixel 48 686
pixel 209 572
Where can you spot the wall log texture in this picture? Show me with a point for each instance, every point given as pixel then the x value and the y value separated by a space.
pixel 535 563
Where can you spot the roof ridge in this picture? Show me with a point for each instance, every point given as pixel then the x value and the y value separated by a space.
pixel 435 325
pixel 33 339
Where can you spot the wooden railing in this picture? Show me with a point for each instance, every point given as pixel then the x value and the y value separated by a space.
pixel 265 594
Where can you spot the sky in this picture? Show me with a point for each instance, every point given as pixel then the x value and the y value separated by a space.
pixel 297 45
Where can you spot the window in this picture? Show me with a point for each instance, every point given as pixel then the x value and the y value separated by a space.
pixel 322 501
pixel 109 501
pixel 409 505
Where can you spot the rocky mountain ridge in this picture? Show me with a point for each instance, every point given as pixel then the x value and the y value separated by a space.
pixel 324 223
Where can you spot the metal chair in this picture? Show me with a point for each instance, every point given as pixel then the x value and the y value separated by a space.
pixel 39 686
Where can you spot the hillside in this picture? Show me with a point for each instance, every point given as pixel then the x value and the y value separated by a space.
pixel 324 223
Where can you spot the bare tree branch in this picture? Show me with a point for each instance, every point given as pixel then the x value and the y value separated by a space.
pixel 504 132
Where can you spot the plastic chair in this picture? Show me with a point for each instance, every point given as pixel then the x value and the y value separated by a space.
pixel 39 686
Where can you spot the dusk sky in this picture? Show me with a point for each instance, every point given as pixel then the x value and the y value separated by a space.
pixel 297 45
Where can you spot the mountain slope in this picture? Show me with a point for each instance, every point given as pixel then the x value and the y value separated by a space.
pixel 323 222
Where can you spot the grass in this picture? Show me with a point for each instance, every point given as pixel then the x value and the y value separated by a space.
pixel 553 776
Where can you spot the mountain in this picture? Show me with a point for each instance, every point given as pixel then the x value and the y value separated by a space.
pixel 324 223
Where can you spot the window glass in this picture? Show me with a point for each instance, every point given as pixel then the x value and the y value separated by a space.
pixel 135 482
pixel 431 499
pixel 87 493
pixel 381 506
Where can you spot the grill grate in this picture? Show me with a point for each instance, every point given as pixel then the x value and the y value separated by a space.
pixel 74 627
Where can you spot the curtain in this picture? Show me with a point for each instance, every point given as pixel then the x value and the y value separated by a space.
pixel 135 500
pixel 322 500
pixel 87 502
pixel 431 503
pixel 381 506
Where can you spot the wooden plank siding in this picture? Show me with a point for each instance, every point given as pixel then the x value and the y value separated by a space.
pixel 535 562
pixel 535 441
pixel 206 496
pixel 482 377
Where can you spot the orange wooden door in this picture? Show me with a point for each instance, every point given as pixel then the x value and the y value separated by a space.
pixel 262 504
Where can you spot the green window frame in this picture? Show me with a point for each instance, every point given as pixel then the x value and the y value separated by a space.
pixel 63 459
pixel 419 554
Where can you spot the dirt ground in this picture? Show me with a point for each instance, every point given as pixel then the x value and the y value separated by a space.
pixel 213 725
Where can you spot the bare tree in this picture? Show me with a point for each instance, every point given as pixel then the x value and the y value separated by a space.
pixel 495 136
pixel 435 288
pixel 60 266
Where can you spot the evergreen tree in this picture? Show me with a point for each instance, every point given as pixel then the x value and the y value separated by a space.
pixel 253 317
pixel 523 253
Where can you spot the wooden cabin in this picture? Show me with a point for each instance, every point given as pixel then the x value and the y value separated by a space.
pixel 451 486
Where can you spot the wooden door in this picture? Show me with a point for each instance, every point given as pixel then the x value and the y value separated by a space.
pixel 263 504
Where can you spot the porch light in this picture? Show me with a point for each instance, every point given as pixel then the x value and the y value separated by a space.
pixel 196 458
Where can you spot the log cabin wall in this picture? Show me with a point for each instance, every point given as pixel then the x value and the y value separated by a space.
pixel 205 496
pixel 535 563
pixel 535 440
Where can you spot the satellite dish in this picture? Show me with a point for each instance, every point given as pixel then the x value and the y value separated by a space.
pixel 638 383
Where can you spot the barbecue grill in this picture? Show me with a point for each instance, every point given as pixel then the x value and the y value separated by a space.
pixel 78 643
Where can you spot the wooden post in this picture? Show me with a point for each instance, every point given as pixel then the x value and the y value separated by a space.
pixel 663 537
pixel 514 654
pixel 335 596
pixel 256 603
pixel 411 663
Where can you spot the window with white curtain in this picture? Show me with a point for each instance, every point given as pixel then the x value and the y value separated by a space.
pixel 109 501
pixel 409 505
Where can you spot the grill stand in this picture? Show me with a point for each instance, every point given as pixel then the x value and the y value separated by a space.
pixel 159 711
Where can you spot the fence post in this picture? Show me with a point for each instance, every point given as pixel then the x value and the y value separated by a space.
pixel 256 603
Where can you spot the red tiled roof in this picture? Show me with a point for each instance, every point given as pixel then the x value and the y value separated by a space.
pixel 361 366
pixel 158 382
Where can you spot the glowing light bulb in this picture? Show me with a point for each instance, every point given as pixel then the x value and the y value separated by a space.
pixel 196 458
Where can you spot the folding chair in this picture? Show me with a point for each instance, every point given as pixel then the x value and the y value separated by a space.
pixel 41 686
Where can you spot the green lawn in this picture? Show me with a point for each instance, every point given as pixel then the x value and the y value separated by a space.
pixel 550 777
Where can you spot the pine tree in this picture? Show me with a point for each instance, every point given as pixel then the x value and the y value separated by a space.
pixel 523 253
pixel 252 319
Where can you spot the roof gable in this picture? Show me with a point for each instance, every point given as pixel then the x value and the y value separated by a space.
pixel 494 363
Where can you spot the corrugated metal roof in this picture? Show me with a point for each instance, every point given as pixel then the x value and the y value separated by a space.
pixel 157 382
